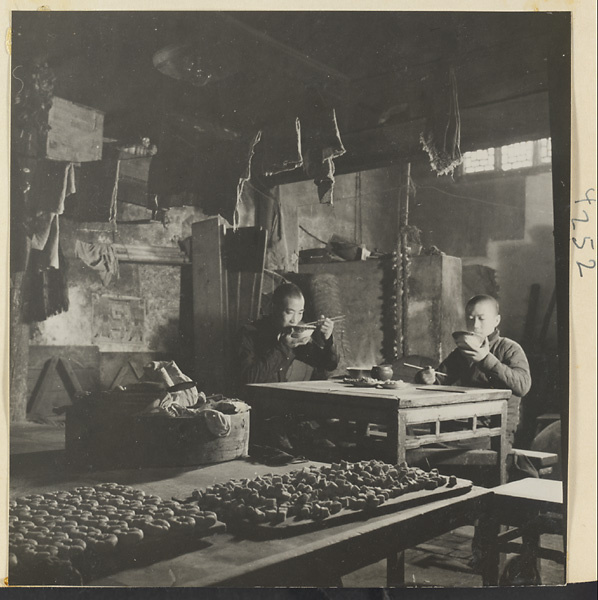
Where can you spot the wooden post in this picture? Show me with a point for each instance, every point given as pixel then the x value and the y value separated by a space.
pixel 209 302
pixel 19 351
pixel 402 291
pixel 395 569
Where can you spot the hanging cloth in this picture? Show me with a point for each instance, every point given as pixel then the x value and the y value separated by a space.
pixel 270 216
pixel 45 290
pixel 245 177
pixel 280 147
pixel 100 257
pixel 321 143
pixel 97 191
pixel 442 136
pixel 45 184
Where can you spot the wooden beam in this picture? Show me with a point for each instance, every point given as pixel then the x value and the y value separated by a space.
pixel 40 393
pixel 514 120
pixel 209 302
pixel 40 397
pixel 160 255
pixel 268 48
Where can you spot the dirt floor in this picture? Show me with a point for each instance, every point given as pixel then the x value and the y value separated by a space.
pixel 37 461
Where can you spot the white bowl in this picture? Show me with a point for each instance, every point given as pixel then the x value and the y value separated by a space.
pixel 359 372
pixel 302 333
pixel 466 340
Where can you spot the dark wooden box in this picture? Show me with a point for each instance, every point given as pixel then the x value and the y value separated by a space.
pixel 76 132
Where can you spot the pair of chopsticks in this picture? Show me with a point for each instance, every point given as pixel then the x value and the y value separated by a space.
pixel 420 368
pixel 333 319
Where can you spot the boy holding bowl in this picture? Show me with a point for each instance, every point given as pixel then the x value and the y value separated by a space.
pixel 485 359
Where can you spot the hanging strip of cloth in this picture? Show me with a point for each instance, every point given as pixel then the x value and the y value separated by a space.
pixel 45 185
pixel 441 138
pixel 321 143
pixel 100 257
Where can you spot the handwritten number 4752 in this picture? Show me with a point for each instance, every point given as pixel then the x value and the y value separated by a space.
pixel 592 263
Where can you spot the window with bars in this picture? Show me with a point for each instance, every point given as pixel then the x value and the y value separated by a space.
pixel 544 150
pixel 517 156
pixel 522 155
pixel 478 161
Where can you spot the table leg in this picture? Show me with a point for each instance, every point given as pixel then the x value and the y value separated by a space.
pixel 531 542
pixel 395 438
pixel 402 438
pixel 395 569
pixel 488 529
pixel 499 445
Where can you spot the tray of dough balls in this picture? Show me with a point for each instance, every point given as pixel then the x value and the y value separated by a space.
pixel 312 498
pixel 71 537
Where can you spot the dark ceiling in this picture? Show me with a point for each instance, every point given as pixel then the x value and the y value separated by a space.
pixel 375 67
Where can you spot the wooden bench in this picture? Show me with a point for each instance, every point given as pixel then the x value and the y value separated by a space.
pixel 543 462
pixel 531 507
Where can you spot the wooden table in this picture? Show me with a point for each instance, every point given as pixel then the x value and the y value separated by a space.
pixel 313 559
pixel 396 409
pixel 532 506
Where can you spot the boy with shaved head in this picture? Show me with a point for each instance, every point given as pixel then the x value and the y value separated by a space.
pixel 498 363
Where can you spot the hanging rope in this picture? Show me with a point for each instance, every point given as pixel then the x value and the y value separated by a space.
pixel 442 137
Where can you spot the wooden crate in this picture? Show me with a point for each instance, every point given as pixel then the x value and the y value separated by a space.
pixel 76 132
pixel 133 175
pixel 106 434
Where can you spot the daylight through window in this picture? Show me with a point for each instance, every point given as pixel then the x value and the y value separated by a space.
pixel 521 155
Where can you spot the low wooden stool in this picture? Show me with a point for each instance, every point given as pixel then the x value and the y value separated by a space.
pixel 530 507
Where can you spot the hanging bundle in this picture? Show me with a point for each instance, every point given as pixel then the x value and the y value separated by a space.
pixel 442 136
pixel 32 94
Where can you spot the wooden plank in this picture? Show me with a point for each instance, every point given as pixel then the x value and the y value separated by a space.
pixel 409 397
pixel 209 303
pixel 294 526
pixel 431 457
pixel 543 491
pixel 269 404
pixel 395 570
pixel 450 412
pixel 120 376
pixel 230 560
pixel 530 318
pixel 253 280
pixel 159 255
pixel 361 545
pixel 70 380
pixel 19 349
pixel 40 393
pixel 452 436
pixel 245 259
pixel 499 444
pixel 126 370
pixel 538 459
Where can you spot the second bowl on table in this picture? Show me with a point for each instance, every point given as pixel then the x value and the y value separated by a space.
pixel 359 372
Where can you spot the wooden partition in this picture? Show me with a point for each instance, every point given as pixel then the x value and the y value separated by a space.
pixel 365 290
pixel 228 268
